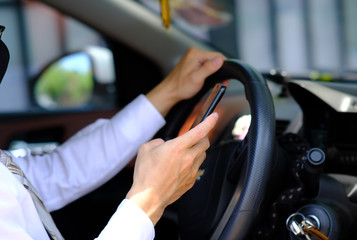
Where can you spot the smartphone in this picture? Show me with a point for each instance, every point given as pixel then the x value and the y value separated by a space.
pixel 210 103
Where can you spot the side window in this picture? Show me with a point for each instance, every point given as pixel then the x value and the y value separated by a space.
pixel 38 36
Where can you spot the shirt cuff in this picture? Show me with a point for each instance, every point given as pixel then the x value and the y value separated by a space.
pixel 128 222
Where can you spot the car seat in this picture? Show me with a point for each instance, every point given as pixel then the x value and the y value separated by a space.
pixel 4 55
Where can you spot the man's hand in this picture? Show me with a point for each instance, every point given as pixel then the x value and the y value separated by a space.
pixel 164 171
pixel 186 79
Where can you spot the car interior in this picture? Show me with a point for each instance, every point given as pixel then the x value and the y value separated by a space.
pixel 283 157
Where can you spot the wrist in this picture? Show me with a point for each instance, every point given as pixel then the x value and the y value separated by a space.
pixel 163 97
pixel 152 207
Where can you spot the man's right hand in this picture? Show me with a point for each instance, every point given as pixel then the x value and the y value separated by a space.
pixel 164 171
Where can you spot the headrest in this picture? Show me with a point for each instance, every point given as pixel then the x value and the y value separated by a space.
pixel 4 55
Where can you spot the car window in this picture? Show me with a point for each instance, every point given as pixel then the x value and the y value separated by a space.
pixel 296 36
pixel 36 34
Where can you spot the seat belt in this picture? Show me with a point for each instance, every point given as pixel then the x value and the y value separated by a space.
pixel 45 216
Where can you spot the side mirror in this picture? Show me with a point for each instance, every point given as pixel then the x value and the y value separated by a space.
pixel 71 81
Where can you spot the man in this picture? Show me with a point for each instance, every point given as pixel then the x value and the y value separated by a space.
pixel 163 171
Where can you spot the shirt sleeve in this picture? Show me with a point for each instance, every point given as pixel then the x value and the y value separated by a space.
pixel 128 222
pixel 93 156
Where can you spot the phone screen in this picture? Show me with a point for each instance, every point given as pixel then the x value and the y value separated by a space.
pixel 210 103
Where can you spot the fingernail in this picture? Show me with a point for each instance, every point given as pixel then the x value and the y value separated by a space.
pixel 217 61
pixel 215 115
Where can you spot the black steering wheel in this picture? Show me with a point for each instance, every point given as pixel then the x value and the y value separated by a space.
pixel 226 199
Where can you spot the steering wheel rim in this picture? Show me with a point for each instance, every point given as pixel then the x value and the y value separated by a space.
pixel 248 196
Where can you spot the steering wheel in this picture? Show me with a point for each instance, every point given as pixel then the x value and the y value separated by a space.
pixel 225 201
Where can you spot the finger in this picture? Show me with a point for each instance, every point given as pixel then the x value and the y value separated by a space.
pixel 209 67
pixel 194 53
pixel 199 150
pixel 201 146
pixel 199 161
pixel 226 83
pixel 197 133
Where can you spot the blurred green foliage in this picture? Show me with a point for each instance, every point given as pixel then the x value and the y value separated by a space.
pixel 59 87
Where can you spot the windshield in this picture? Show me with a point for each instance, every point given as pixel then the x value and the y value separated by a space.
pixel 296 36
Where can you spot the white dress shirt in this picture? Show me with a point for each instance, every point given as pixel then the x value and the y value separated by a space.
pixel 83 163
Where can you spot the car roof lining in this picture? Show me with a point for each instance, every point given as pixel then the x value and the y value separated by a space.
pixel 143 29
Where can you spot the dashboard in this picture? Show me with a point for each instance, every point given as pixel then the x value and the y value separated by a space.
pixel 329 121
